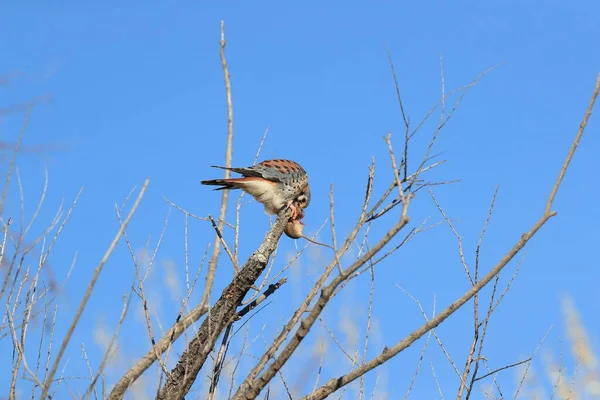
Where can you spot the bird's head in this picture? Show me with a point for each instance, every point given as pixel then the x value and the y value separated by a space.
pixel 303 200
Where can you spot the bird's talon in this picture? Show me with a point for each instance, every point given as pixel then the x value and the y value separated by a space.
pixel 294 213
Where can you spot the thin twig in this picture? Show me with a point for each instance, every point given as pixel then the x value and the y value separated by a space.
pixel 503 368
pixel 404 117
pixel 333 235
pixel 388 140
pixel 368 327
pixel 437 383
pixel 522 380
pixel 418 368
pixel 458 238
pixel 13 159
pixel 218 365
pixel 236 267
pixel 212 263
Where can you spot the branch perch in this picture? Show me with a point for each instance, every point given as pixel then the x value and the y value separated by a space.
pixel 182 377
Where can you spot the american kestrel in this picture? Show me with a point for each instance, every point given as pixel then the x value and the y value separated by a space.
pixel 274 183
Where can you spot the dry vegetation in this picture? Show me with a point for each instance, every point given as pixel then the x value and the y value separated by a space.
pixel 229 369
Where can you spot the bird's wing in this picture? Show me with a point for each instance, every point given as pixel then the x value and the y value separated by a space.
pixel 273 170
pixel 254 171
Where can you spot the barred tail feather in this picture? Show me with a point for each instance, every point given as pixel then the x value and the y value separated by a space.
pixel 224 183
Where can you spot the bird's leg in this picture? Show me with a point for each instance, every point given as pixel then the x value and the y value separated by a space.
pixel 294 214
pixel 294 209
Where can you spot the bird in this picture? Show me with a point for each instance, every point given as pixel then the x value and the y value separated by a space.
pixel 274 183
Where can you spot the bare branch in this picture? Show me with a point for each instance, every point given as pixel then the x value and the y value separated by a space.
pixel 182 377
pixel 574 145
pixel 212 263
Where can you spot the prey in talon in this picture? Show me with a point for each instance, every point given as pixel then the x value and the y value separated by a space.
pixel 274 183
pixel 294 229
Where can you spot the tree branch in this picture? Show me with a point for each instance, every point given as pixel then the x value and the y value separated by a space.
pixel 212 263
pixel 182 377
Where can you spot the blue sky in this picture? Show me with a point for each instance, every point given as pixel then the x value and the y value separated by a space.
pixel 137 91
